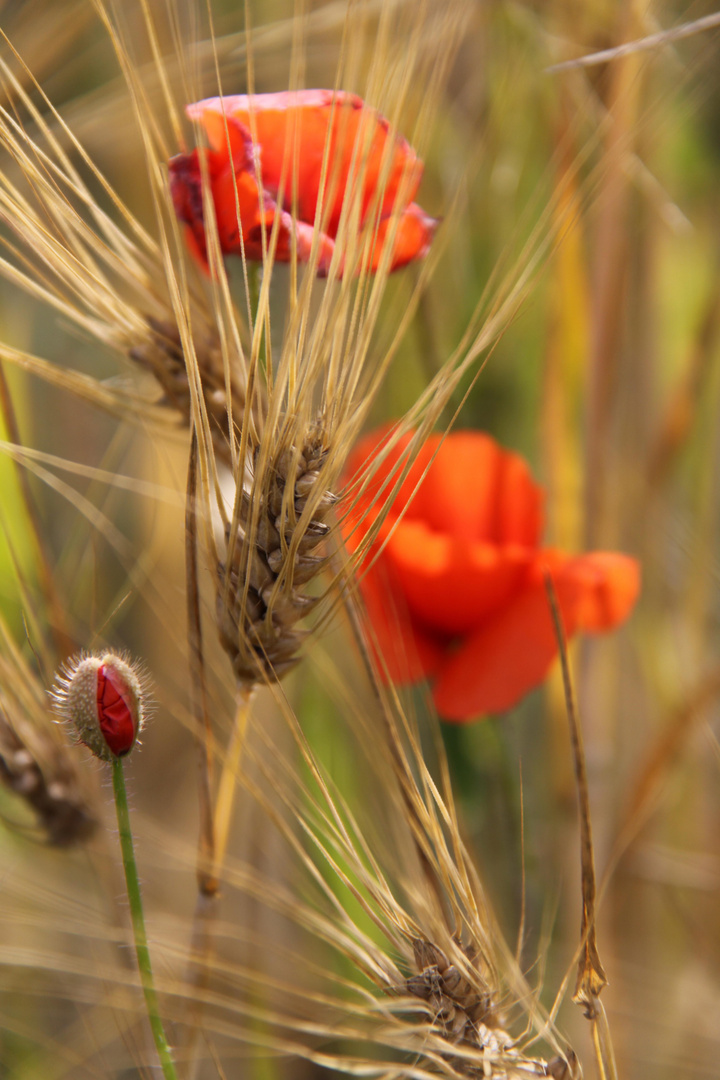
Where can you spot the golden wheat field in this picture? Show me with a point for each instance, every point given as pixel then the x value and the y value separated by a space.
pixel 359 397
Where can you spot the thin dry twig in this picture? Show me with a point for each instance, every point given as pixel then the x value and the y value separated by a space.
pixel 652 41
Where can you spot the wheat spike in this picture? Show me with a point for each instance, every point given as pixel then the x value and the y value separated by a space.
pixel 36 762
pixel 260 594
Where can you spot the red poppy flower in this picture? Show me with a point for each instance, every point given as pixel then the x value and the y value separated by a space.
pixel 281 139
pixel 457 594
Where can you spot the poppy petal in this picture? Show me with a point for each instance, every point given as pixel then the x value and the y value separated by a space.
pixel 520 503
pixel 236 197
pixel 412 238
pixel 237 200
pixel 477 491
pixel 604 586
pixel 513 651
pixel 403 652
pixel 292 129
pixel 305 234
pixel 372 451
pixel 452 585
pixel 502 661
pixel 186 192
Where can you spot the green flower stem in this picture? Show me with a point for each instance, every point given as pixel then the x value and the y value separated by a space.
pixel 138 920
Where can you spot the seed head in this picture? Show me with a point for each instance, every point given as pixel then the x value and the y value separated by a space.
pixel 102 697
pixel 260 590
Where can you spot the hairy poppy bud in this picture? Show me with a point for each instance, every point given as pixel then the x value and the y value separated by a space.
pixel 102 697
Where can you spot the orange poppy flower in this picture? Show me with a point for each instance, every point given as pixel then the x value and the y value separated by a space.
pixel 268 151
pixel 457 592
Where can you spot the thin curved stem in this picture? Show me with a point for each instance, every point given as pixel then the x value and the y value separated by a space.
pixel 138 920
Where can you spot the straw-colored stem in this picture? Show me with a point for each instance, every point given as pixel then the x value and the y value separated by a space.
pixel 602 1044
pixel 203 938
pixel 598 1052
pixel 138 921
pixel 207 883
pixel 228 777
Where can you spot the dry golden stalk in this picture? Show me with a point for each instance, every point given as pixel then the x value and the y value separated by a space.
pixel 272 554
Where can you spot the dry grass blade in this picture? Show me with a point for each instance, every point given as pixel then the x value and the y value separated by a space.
pixel 644 44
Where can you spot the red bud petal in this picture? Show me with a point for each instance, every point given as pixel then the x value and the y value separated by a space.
pixel 117 713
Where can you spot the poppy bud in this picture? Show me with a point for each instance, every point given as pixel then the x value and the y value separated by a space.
pixel 102 697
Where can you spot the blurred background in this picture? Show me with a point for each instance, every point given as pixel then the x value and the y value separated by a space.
pixel 607 380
